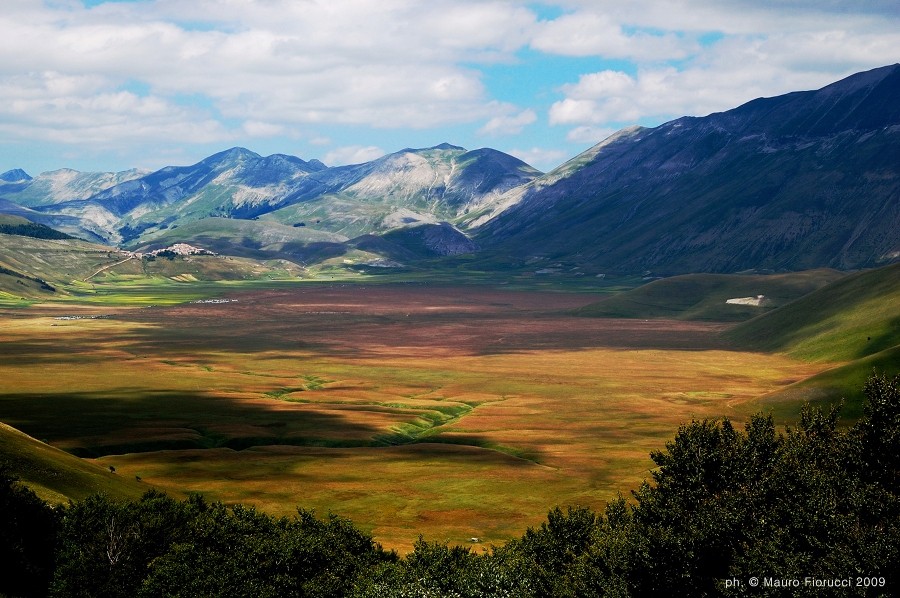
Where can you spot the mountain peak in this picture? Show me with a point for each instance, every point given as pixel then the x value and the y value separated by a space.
pixel 863 80
pixel 440 147
pixel 235 153
pixel 447 146
pixel 16 175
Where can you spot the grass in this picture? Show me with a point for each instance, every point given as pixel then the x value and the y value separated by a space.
pixel 414 407
pixel 855 317
pixel 704 296
pixel 448 411
pixel 852 325
pixel 57 476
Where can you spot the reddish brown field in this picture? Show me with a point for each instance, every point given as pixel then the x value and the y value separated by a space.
pixel 454 412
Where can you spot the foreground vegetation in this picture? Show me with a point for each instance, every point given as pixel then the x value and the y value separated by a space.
pixel 819 504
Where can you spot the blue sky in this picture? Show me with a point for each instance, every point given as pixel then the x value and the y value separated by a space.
pixel 101 85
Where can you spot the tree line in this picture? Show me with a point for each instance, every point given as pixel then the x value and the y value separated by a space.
pixel 816 504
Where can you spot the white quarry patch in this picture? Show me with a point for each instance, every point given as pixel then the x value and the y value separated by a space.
pixel 59 183
pixel 141 210
pixel 758 301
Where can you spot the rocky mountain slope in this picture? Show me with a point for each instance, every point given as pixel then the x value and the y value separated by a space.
pixel 409 187
pixel 800 181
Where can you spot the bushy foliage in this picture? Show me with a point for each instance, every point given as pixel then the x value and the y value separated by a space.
pixel 28 529
pixel 817 500
pixel 37 231
pixel 162 547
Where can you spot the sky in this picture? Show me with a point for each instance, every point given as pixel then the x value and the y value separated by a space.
pixel 100 85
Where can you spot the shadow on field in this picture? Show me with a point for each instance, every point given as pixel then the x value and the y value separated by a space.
pixel 886 340
pixel 40 351
pixel 477 448
pixel 137 420
pixel 342 328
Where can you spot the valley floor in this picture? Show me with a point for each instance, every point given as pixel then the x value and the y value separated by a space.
pixel 458 413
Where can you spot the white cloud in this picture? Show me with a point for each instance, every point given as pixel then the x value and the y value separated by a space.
pixel 589 33
pixel 541 158
pixel 255 128
pixel 277 62
pixel 353 154
pixel 209 71
pixel 723 75
pixel 588 134
pixel 511 124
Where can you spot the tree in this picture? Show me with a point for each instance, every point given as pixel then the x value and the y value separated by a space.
pixel 28 528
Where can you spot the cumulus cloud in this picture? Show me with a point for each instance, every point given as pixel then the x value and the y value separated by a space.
pixel 541 158
pixel 510 124
pixel 267 64
pixel 353 154
pixel 763 49
pixel 211 71
pixel 589 33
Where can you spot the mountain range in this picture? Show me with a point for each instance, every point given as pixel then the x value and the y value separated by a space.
pixel 803 180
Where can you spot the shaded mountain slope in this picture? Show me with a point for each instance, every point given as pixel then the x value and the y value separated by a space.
pixel 805 180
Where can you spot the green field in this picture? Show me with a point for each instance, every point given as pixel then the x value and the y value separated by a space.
pixel 704 296
pixel 413 408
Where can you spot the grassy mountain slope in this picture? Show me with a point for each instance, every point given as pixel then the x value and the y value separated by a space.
pixel 854 321
pixel 17 225
pixel 26 261
pixel 854 317
pixel 55 475
pixel 347 215
pixel 253 239
pixel 704 296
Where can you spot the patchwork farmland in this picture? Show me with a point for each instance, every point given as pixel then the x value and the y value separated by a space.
pixel 457 412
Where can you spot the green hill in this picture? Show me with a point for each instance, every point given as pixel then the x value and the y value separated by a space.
pixel 32 268
pixel 704 296
pixel 252 239
pixel 16 225
pixel 853 322
pixel 55 475
pixel 854 317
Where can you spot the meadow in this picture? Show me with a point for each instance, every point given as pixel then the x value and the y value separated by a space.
pixel 456 412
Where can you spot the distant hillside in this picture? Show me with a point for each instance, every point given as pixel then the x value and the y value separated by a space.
pixel 854 317
pixel 36 269
pixel 853 320
pixel 32 267
pixel 16 225
pixel 55 475
pixel 63 185
pixel 705 296
pixel 251 238
pixel 412 186
pixel 17 175
pixel 800 181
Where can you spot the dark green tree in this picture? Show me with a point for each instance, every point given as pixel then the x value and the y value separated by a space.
pixel 28 528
